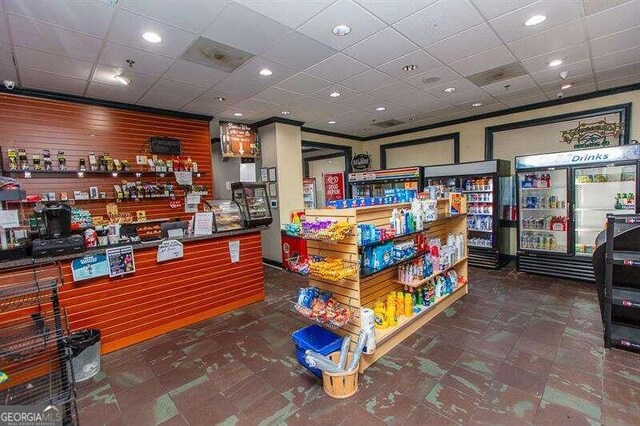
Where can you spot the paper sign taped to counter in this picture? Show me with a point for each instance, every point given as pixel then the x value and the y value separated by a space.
pixel 234 251
pixel 121 261
pixel 9 219
pixel 184 178
pixel 169 250
pixel 93 266
pixel 203 223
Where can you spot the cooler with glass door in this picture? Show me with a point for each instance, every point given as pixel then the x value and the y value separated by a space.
pixel 564 199
pixel 480 183
pixel 374 183
pixel 309 193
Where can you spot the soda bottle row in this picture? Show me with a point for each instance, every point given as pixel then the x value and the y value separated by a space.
pixel 480 223
pixel 536 180
pixel 478 184
pixel 481 208
pixel 551 223
pixel 538 241
pixel 484 197
pixel 543 202
pixel 480 242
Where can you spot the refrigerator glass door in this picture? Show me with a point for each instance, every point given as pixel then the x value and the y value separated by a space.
pixel 480 209
pixel 543 211
pixel 377 189
pixel 309 193
pixel 598 192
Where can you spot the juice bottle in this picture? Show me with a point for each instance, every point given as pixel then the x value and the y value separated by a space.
pixel 391 315
pixel 408 304
pixel 380 315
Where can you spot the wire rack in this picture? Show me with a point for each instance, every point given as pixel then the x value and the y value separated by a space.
pixel 336 317
pixel 29 336
pixel 22 295
pixel 332 269
pixel 332 233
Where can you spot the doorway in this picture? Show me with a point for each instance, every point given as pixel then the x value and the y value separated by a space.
pixel 318 159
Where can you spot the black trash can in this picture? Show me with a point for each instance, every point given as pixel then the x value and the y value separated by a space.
pixel 85 353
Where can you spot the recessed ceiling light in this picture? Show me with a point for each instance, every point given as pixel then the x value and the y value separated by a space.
pixel 566 86
pixel 476 104
pixel 331 121
pixel 341 30
pixel 449 90
pixel 555 62
pixel 237 114
pixel 381 108
pixel 412 118
pixel 410 67
pixel 535 20
pixel 125 81
pixel 285 112
pixel 265 72
pixel 335 94
pixel 152 37
pixel 219 99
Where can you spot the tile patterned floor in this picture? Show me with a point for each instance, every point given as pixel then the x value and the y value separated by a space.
pixel 517 349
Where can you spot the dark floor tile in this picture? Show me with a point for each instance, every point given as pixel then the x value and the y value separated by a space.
pixel 485 365
pixel 621 395
pixel 522 379
pixel 550 413
pixel 467 382
pixel 451 403
pixel 621 374
pixel 530 362
pixel 155 412
pixel 390 406
pixel 618 415
pixel 425 416
pixel 193 393
pixel 583 360
pixel 533 347
pixel 502 399
pixel 132 399
pixel 626 359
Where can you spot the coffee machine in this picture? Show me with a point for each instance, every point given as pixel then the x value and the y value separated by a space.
pixel 55 232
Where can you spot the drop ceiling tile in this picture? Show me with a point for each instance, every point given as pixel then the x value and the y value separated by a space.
pixel 362 101
pixel 391 11
pixel 494 8
pixel 298 51
pixel 140 83
pixel 176 89
pixel 438 21
pixel 254 105
pixel 422 60
pixel 417 98
pixel 516 102
pixel 431 104
pixel 459 97
pixel 4 33
pixel 192 16
pixel 285 12
pixel 229 99
pixel 368 80
pixel 393 90
pixel 42 61
pixel 129 27
pixel 615 19
pixel 547 41
pixel 360 116
pixel 188 72
pixel 461 85
pixel 470 42
pixel 576 81
pixel 510 27
pixel 575 69
pixel 158 100
pixel 277 96
pixel 431 78
pixel 241 86
pixel 8 72
pixel 229 115
pixel 492 58
pixel 482 109
pixel 251 71
pixel 113 93
pixel 552 91
pixel 337 68
pixel 116 55
pixel 618 72
pixel 362 23
pixel 382 47
pixel 611 43
pixel 303 83
pixel 595 6
pixel 6 59
pixel 623 57
pixel 312 105
pixel 515 84
pixel 89 16
pixel 345 93
pixel 568 55
pixel 245 29
pixel 33 79
pixel 519 94
pixel 40 36
pixel 617 82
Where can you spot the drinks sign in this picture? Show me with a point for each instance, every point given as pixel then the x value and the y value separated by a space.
pixel 239 140
pixel 576 158
pixel 361 162
pixel 593 135
pixel 333 186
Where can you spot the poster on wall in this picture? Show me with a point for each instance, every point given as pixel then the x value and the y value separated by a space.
pixel 595 134
pixel 333 186
pixel 120 260
pixel 239 141
pixel 87 267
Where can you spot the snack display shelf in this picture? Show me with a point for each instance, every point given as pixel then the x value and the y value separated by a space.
pixel 395 238
pixel 544 230
pixel 477 191
pixel 367 272
pixel 432 276
pixel 544 209
pixel 486 231
pixel 403 322
pixel 547 188
pixel 336 269
pixel 308 314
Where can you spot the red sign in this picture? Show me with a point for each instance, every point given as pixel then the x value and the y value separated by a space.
pixel 333 186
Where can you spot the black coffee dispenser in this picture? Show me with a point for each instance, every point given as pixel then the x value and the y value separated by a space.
pixel 57 220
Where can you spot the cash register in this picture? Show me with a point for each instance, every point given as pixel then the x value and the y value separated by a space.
pixel 55 232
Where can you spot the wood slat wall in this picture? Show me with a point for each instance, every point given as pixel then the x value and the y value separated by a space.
pixel 77 129
pixel 159 297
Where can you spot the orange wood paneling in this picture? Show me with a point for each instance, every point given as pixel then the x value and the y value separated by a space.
pixel 77 129
pixel 159 297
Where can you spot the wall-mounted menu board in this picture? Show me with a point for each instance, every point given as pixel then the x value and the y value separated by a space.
pixel 239 140
pixel 164 145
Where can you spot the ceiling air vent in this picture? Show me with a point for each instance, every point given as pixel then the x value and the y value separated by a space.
pixel 216 55
pixel 495 75
pixel 388 123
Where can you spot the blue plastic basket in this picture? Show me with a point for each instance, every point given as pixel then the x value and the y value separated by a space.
pixel 317 339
